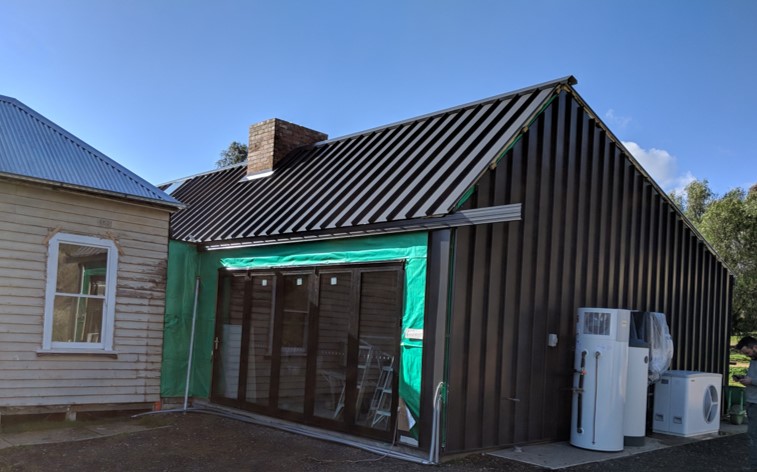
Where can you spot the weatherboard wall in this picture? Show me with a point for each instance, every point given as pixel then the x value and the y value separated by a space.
pixel 595 232
pixel 29 215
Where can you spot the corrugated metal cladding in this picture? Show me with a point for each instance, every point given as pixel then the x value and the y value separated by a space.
pixel 594 232
pixel 34 147
pixel 418 168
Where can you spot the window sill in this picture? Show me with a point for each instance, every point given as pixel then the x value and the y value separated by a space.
pixel 76 352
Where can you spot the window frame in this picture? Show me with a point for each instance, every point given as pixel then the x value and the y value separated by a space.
pixel 109 299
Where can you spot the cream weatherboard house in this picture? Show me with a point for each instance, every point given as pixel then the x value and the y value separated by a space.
pixel 83 251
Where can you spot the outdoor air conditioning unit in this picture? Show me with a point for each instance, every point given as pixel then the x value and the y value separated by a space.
pixel 687 403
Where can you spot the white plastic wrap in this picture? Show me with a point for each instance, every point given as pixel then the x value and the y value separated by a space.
pixel 660 346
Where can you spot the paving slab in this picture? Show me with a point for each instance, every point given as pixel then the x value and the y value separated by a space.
pixel 75 433
pixel 4 444
pixel 28 438
pixel 560 455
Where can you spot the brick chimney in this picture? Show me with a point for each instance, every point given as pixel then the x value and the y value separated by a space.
pixel 272 140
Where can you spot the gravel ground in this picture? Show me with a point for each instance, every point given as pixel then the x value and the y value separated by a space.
pixel 201 442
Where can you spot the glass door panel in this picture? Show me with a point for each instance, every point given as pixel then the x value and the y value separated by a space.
pixel 293 326
pixel 335 311
pixel 258 382
pixel 229 338
pixel 380 311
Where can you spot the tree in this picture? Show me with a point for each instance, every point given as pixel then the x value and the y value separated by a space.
pixel 694 200
pixel 729 223
pixel 234 154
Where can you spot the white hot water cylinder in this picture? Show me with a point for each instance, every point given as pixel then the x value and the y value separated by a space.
pixel 599 392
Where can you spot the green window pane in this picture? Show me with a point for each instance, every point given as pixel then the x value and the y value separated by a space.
pixel 77 319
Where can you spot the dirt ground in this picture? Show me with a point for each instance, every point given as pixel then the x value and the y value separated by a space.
pixel 202 442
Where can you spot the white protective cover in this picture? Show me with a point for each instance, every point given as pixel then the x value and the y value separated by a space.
pixel 660 347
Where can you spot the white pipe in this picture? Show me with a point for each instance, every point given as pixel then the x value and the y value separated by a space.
pixel 191 343
pixel 433 433
pixel 433 453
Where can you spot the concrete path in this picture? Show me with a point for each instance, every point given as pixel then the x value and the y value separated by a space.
pixel 79 432
pixel 561 455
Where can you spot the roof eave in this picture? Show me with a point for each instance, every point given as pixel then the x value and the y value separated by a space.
pixel 496 214
pixel 168 205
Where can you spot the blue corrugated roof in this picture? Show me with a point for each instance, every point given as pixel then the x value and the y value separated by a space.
pixel 34 148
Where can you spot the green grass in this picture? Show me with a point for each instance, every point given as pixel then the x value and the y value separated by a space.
pixel 739 363
pixel 736 357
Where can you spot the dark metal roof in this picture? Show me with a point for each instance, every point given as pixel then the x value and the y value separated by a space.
pixel 418 168
pixel 36 149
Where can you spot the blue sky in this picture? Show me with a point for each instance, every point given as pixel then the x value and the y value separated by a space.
pixel 162 86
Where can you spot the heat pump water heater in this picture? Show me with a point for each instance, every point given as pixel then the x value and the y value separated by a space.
pixel 687 403
pixel 601 365
pixel 635 411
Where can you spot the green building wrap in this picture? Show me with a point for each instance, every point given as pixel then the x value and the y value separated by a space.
pixel 185 263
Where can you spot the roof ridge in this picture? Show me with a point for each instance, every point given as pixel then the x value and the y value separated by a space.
pixel 568 80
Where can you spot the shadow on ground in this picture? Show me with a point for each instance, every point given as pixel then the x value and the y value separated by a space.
pixel 201 442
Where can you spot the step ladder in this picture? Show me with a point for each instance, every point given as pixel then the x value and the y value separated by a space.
pixel 366 361
pixel 381 403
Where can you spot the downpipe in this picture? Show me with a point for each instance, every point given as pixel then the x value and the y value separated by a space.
pixel 433 453
pixel 191 343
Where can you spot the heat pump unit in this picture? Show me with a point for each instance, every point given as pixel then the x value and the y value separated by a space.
pixel 635 411
pixel 687 403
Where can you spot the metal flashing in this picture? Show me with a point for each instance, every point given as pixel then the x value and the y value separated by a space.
pixel 479 216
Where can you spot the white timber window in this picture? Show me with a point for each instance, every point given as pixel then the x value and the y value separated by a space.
pixel 80 293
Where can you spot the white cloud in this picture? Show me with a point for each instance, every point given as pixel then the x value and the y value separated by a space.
pixel 617 122
pixel 662 166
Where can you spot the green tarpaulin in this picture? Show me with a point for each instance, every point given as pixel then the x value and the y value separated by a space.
pixel 185 264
